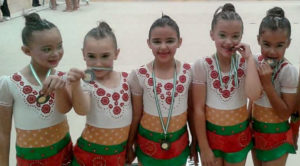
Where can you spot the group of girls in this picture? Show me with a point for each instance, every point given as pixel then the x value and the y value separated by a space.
pixel 147 113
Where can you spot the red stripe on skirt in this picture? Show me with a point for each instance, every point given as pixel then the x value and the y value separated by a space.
pixel 229 143
pixel 63 158
pixel 153 149
pixel 267 141
pixel 88 158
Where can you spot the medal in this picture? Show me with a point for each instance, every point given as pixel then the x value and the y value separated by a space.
pixel 89 74
pixel 41 99
pixel 271 62
pixel 165 145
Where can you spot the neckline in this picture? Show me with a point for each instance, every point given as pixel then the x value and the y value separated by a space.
pixel 30 83
pixel 179 71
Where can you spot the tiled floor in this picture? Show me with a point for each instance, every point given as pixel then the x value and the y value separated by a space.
pixel 131 22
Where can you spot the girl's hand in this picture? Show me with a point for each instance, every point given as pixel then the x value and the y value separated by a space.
pixel 244 50
pixel 265 74
pixel 207 157
pixel 74 76
pixel 51 84
pixel 130 155
pixel 193 153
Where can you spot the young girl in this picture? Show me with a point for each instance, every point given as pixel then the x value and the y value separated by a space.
pixel 279 78
pixel 42 132
pixel 105 100
pixel 160 101
pixel 221 84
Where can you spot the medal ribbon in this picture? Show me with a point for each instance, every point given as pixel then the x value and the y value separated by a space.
pixel 275 70
pixel 36 76
pixel 233 70
pixel 165 128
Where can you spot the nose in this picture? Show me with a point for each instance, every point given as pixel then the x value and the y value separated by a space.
pixel 57 52
pixel 163 46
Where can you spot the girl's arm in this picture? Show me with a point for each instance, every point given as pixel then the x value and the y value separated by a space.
pixel 63 101
pixel 137 107
pixel 284 104
pixel 80 99
pixel 253 88
pixel 193 149
pixel 199 100
pixel 5 129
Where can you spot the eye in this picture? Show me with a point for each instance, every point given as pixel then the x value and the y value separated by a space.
pixel 90 56
pixel 280 45
pixel 170 41
pixel 105 56
pixel 156 41
pixel 236 37
pixel 60 46
pixel 221 35
pixel 46 49
pixel 266 45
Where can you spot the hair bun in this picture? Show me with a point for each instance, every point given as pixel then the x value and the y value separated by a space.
pixel 275 12
pixel 104 26
pixel 228 7
pixel 32 19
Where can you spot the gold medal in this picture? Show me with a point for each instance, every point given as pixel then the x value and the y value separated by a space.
pixel 41 99
pixel 89 76
pixel 165 145
pixel 271 62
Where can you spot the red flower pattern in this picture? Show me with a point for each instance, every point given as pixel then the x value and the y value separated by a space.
pixel 125 97
pixel 182 78
pixel 214 74
pixel 168 100
pixel 17 77
pixel 240 72
pixel 124 74
pixel 150 82
pixel 217 84
pixel 46 108
pixel 225 93
pixel 117 110
pixel 100 92
pixel 115 96
pixel 225 79
pixel 186 66
pixel 168 86
pixel 180 88
pixel 158 90
pixel 27 89
pixel 143 71
pixel 104 100
pixel 60 73
pixel 125 86
pixel 208 60
pixel 31 99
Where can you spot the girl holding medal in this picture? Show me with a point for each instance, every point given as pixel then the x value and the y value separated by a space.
pixel 272 132
pixel 29 97
pixel 160 101
pixel 104 98
pixel 221 84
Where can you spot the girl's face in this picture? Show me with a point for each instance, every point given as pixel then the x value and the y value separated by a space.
pixel 227 34
pixel 273 43
pixel 164 42
pixel 100 53
pixel 45 49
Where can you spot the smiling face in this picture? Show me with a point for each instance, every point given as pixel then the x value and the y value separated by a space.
pixel 273 43
pixel 100 53
pixel 164 42
pixel 226 34
pixel 45 48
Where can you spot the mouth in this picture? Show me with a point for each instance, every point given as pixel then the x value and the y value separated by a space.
pixel 164 53
pixel 53 62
